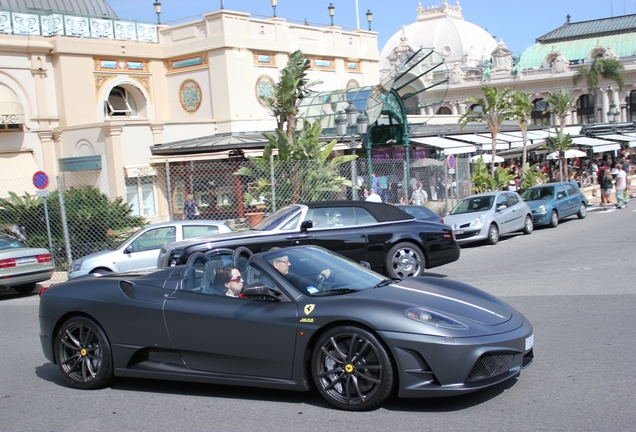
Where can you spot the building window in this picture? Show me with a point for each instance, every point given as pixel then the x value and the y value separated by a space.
pixel 120 103
pixel 631 105
pixel 140 195
pixel 585 109
pixel 10 127
pixel 539 115
pixel 444 111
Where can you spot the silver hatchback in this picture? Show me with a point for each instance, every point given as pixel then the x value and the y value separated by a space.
pixel 488 215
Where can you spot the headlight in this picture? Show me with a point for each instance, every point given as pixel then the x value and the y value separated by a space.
pixel 77 264
pixel 541 209
pixel 477 222
pixel 434 319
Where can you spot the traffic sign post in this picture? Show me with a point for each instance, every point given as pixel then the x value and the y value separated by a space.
pixel 451 161
pixel 41 181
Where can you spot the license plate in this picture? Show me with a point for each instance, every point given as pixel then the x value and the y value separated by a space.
pixel 529 342
pixel 458 231
pixel 25 260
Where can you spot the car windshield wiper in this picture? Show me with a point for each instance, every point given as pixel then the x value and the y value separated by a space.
pixel 336 291
pixel 384 283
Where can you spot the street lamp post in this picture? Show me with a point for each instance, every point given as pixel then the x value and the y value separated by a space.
pixel 332 11
pixel 369 18
pixel 274 3
pixel 157 6
pixel 613 115
pixel 350 118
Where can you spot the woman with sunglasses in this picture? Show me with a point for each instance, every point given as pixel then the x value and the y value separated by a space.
pixel 229 278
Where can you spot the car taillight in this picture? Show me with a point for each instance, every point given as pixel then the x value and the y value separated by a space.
pixel 44 258
pixel 6 263
pixel 42 291
pixel 441 220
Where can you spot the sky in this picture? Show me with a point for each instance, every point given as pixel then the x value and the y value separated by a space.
pixel 517 22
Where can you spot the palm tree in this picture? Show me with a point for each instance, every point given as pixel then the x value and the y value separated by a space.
pixel 559 143
pixel 560 104
pixel 521 112
pixel 601 68
pixel 495 108
pixel 292 88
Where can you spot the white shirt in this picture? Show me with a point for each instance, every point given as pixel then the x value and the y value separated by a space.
pixel 621 178
pixel 374 198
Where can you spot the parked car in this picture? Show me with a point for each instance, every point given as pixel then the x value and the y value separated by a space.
pixel 488 215
pixel 21 267
pixel 421 213
pixel 390 240
pixel 140 251
pixel 554 201
pixel 358 338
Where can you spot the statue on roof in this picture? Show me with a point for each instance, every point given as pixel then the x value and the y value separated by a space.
pixel 486 66
pixel 516 69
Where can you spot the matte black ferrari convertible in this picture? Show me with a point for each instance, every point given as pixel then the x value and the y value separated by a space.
pixel 392 241
pixel 301 317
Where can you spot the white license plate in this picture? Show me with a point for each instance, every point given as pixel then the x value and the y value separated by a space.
pixel 25 260
pixel 458 231
pixel 529 342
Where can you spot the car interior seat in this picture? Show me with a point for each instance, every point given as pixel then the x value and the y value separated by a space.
pixel 189 279
pixel 209 275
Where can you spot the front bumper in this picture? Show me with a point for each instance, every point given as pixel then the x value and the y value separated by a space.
pixel 467 235
pixel 431 366
pixel 541 218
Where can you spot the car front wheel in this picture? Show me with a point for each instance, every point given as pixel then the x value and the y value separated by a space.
pixel 83 354
pixel 351 369
pixel 405 260
pixel 493 234
pixel 582 211
pixel 554 219
pixel 528 226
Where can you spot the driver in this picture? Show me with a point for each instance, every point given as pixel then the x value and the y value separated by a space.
pixel 282 264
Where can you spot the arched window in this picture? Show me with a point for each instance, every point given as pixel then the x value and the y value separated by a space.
pixel 120 103
pixel 585 108
pixel 444 111
pixel 538 116
pixel 476 108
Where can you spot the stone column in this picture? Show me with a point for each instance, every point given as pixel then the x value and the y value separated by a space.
pixel 49 158
pixel 604 105
pixel 157 133
pixel 116 181
pixel 454 110
pixel 617 101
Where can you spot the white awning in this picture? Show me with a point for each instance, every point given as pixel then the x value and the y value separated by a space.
pixel 606 147
pixel 478 139
pixel 617 137
pixel 449 146
pixel 592 142
pixel 159 159
pixel 503 137
pixel 11 109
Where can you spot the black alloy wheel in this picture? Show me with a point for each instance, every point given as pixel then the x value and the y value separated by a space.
pixel 405 260
pixel 83 354
pixel 351 369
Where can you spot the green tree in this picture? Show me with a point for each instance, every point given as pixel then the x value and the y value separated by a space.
pixel 601 68
pixel 559 143
pixel 289 91
pixel 303 169
pixel 521 112
pixel 495 107
pixel 560 104
pixel 483 181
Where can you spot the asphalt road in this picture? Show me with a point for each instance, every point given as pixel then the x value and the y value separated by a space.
pixel 575 283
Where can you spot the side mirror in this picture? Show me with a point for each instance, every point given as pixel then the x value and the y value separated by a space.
pixel 502 207
pixel 306 225
pixel 365 264
pixel 129 249
pixel 261 292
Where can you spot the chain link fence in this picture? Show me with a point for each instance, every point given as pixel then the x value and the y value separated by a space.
pixel 89 212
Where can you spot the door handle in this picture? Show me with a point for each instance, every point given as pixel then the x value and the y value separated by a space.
pixel 169 297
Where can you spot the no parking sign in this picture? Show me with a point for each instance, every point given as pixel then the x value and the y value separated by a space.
pixel 40 180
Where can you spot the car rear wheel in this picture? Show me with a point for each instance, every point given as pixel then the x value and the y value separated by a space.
pixel 493 234
pixel 83 354
pixel 351 369
pixel 528 226
pixel 405 260
pixel 24 289
pixel 554 219
pixel 582 211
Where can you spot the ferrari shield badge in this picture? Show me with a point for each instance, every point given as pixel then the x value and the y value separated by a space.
pixel 309 308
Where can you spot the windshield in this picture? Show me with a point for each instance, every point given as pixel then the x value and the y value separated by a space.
pixel 9 243
pixel 306 267
pixel 536 194
pixel 274 220
pixel 474 204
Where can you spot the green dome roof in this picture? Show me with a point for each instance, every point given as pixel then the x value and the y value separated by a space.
pixel 79 7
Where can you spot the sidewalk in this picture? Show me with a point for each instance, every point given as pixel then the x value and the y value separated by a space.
pixel 595 201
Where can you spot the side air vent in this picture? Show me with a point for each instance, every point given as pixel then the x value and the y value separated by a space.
pixel 126 288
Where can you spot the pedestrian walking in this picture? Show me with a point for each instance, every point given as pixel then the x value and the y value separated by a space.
pixel 190 209
pixel 621 184
pixel 420 197
pixel 606 181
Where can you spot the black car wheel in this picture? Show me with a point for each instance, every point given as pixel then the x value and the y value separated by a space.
pixel 351 369
pixel 528 226
pixel 24 289
pixel 582 211
pixel 554 219
pixel 405 260
pixel 83 354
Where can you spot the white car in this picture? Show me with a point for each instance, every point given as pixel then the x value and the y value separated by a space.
pixel 488 215
pixel 141 250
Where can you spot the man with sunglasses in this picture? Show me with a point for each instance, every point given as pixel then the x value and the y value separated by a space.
pixel 282 264
pixel 230 280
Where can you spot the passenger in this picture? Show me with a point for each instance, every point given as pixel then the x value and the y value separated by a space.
pixel 229 279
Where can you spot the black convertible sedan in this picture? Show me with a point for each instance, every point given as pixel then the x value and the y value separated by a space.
pixel 351 333
pixel 392 241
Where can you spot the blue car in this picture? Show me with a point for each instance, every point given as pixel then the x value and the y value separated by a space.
pixel 554 201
